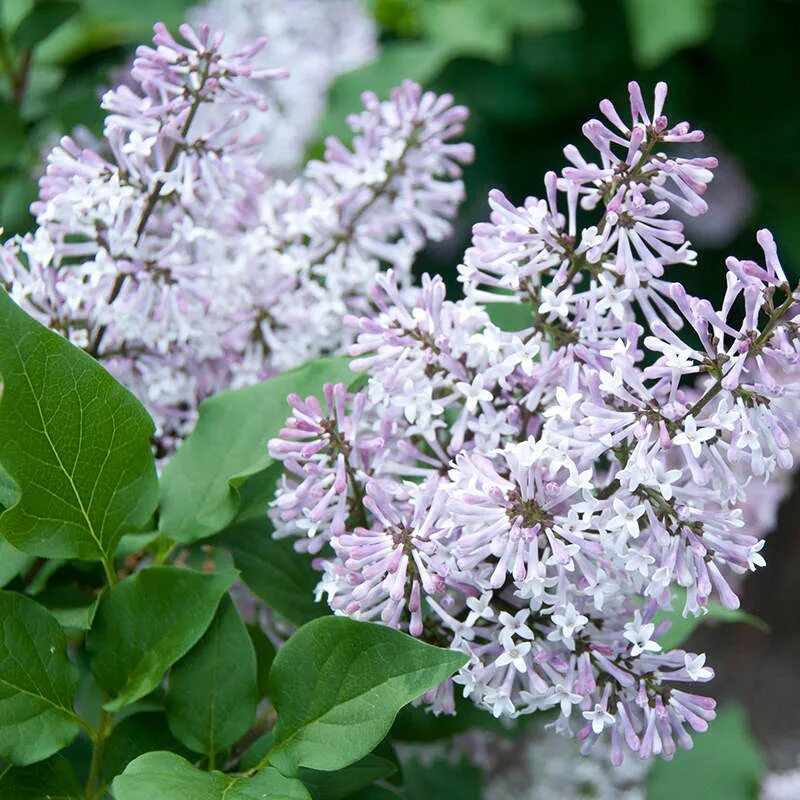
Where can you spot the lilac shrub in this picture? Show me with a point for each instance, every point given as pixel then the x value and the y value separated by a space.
pixel 184 267
pixel 535 497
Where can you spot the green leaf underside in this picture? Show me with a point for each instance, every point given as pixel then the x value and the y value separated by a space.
pixel 49 780
pixel 337 685
pixel 199 487
pixel 165 776
pixel 75 442
pixel 37 682
pixel 146 623
pixel 213 692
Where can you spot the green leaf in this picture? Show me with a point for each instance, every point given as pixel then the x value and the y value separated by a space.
pixel 75 442
pixel 337 685
pixel 17 189
pixel 271 568
pixel 265 655
pixel 37 682
pixel 104 24
pixel 659 29
pixel 417 61
pixel 12 136
pixel 467 27
pixel 682 628
pixel 166 776
pixel 213 692
pixel 200 485
pixel 251 757
pixel 12 562
pixel 342 783
pixel 70 606
pixel 510 316
pixel 376 792
pixel 146 623
pixel 442 780
pixel 541 16
pixel 45 17
pixel 134 736
pixel 50 780
pixel 724 764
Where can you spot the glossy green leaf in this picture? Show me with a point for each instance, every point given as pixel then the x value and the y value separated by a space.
pixel 213 691
pixel 724 764
pixel 658 28
pixel 146 623
pixel 75 442
pixel 72 608
pixel 53 779
pixel 200 485
pixel 44 18
pixel 337 685
pixel 37 682
pixel 251 757
pixel 166 776
pixel 134 736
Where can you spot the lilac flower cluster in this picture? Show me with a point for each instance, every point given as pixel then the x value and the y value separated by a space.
pixel 177 260
pixel 536 497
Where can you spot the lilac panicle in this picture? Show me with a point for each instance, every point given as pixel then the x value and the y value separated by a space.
pixel 534 498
